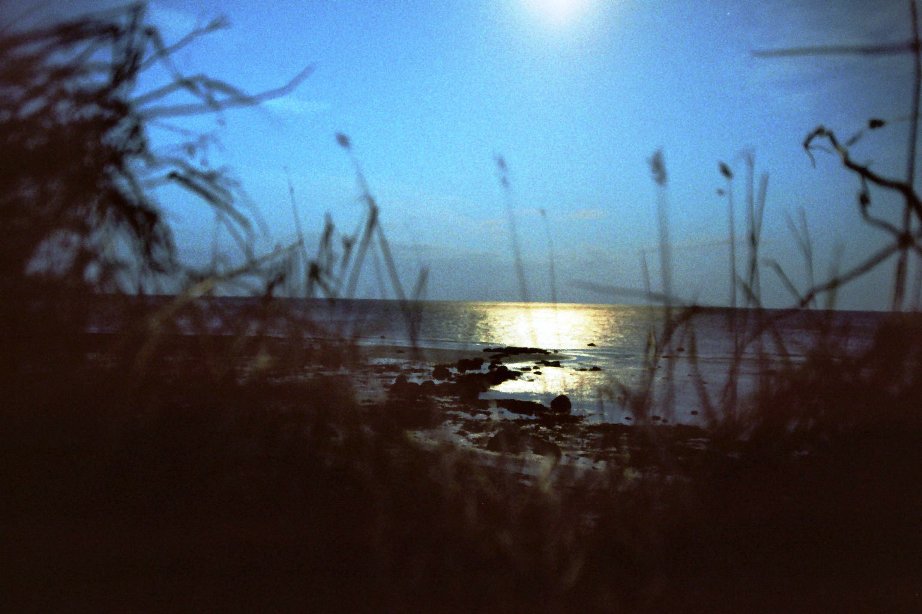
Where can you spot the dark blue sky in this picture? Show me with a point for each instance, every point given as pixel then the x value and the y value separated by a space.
pixel 576 101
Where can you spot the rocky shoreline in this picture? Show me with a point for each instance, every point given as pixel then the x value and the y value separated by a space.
pixel 438 398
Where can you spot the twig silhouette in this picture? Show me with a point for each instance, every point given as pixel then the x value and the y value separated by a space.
pixel 905 240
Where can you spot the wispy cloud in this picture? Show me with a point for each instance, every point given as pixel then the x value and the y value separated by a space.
pixel 576 215
pixel 585 215
pixel 293 105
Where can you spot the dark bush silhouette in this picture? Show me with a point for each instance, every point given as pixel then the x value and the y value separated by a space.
pixel 77 169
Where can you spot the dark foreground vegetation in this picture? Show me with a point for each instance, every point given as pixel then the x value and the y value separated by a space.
pixel 179 491
pixel 147 470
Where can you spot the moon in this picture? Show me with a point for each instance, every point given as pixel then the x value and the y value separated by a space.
pixel 557 12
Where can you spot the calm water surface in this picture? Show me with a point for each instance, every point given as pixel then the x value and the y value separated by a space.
pixel 600 347
pixel 613 338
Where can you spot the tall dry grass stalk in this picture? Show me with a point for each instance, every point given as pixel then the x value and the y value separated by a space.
pixel 503 171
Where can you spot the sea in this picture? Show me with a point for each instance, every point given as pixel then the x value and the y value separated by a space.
pixel 609 355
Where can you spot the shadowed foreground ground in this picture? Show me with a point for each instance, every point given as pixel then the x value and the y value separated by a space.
pixel 173 490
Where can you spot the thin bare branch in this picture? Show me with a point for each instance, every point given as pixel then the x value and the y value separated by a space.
pixel 230 102
pixel 902 265
pixel 884 49
pixel 162 51
pixel 785 280
pixel 623 291
pixel 907 190
pixel 837 281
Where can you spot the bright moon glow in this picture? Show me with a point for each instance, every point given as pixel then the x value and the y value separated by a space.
pixel 557 12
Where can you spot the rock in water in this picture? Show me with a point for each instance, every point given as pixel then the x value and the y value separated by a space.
pixel 531 408
pixel 469 364
pixel 561 404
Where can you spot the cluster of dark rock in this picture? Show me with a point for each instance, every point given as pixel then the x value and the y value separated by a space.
pixel 560 406
pixel 466 384
pixel 468 364
pixel 513 350
pixel 466 379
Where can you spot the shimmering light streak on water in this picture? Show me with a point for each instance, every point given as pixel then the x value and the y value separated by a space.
pixel 539 325
pixel 598 346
